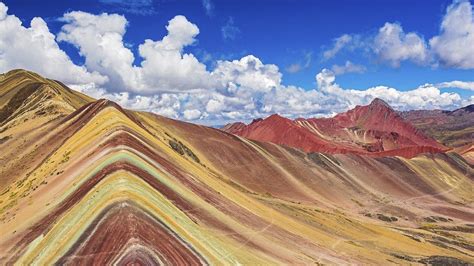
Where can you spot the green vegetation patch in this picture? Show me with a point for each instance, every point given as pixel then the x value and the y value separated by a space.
pixel 385 218
pixel 182 149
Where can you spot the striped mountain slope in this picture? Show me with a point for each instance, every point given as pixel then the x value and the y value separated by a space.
pixel 97 184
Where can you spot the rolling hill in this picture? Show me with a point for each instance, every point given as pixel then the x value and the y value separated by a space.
pixel 452 128
pixel 84 181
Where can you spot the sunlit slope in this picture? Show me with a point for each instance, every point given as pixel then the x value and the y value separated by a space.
pixel 32 109
pixel 127 187
pixel 372 130
pixel 467 151
pixel 22 91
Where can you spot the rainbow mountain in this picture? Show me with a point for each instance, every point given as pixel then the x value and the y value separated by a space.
pixel 84 181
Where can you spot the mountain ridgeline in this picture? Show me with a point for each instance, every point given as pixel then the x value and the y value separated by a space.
pixel 85 181
pixel 372 130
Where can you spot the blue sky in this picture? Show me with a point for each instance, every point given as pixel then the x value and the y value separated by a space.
pixel 293 35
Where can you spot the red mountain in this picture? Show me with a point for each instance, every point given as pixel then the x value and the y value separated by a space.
pixel 375 129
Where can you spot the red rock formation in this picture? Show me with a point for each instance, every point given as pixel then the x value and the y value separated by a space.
pixel 234 126
pixel 283 131
pixel 375 129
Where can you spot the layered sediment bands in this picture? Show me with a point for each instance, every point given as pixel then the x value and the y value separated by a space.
pixel 137 237
pixel 467 152
pixel 111 189
pixel 370 184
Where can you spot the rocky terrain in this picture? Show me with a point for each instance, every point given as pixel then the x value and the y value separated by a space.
pixel 373 130
pixel 84 181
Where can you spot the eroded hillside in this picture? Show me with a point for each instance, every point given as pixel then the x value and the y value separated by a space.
pixel 92 183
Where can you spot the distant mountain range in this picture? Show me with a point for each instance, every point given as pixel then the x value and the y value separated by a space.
pixel 452 128
pixel 85 181
pixel 374 130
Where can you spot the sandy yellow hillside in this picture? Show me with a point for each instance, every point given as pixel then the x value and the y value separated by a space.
pixel 92 183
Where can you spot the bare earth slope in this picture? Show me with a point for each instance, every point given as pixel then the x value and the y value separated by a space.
pixel 374 130
pixel 31 109
pixel 452 128
pixel 104 185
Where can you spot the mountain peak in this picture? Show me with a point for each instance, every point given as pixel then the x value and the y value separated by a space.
pixel 276 117
pixel 24 74
pixel 233 127
pixel 379 102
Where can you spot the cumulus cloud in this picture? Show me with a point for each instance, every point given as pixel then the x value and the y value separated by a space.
pixel 248 72
pixel 348 67
pixel 191 114
pixel 452 47
pixel 176 84
pixel 100 40
pixel 35 48
pixel 393 45
pixel 455 44
pixel 167 104
pixel 427 96
pixel 165 67
pixel 215 105
pixel 238 94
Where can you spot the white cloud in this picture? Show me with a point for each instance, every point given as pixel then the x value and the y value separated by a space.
pixel 176 84
pixel 164 67
pixel 427 96
pixel 393 45
pixel 35 48
pixel 294 102
pixel 192 114
pixel 215 105
pixel 338 44
pixel 455 44
pixel 243 103
pixel 348 67
pixel 3 11
pixel 451 48
pixel 167 104
pixel 390 45
pixel 325 78
pixel 249 72
pixel 100 40
pixel 465 85
pixel 229 30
